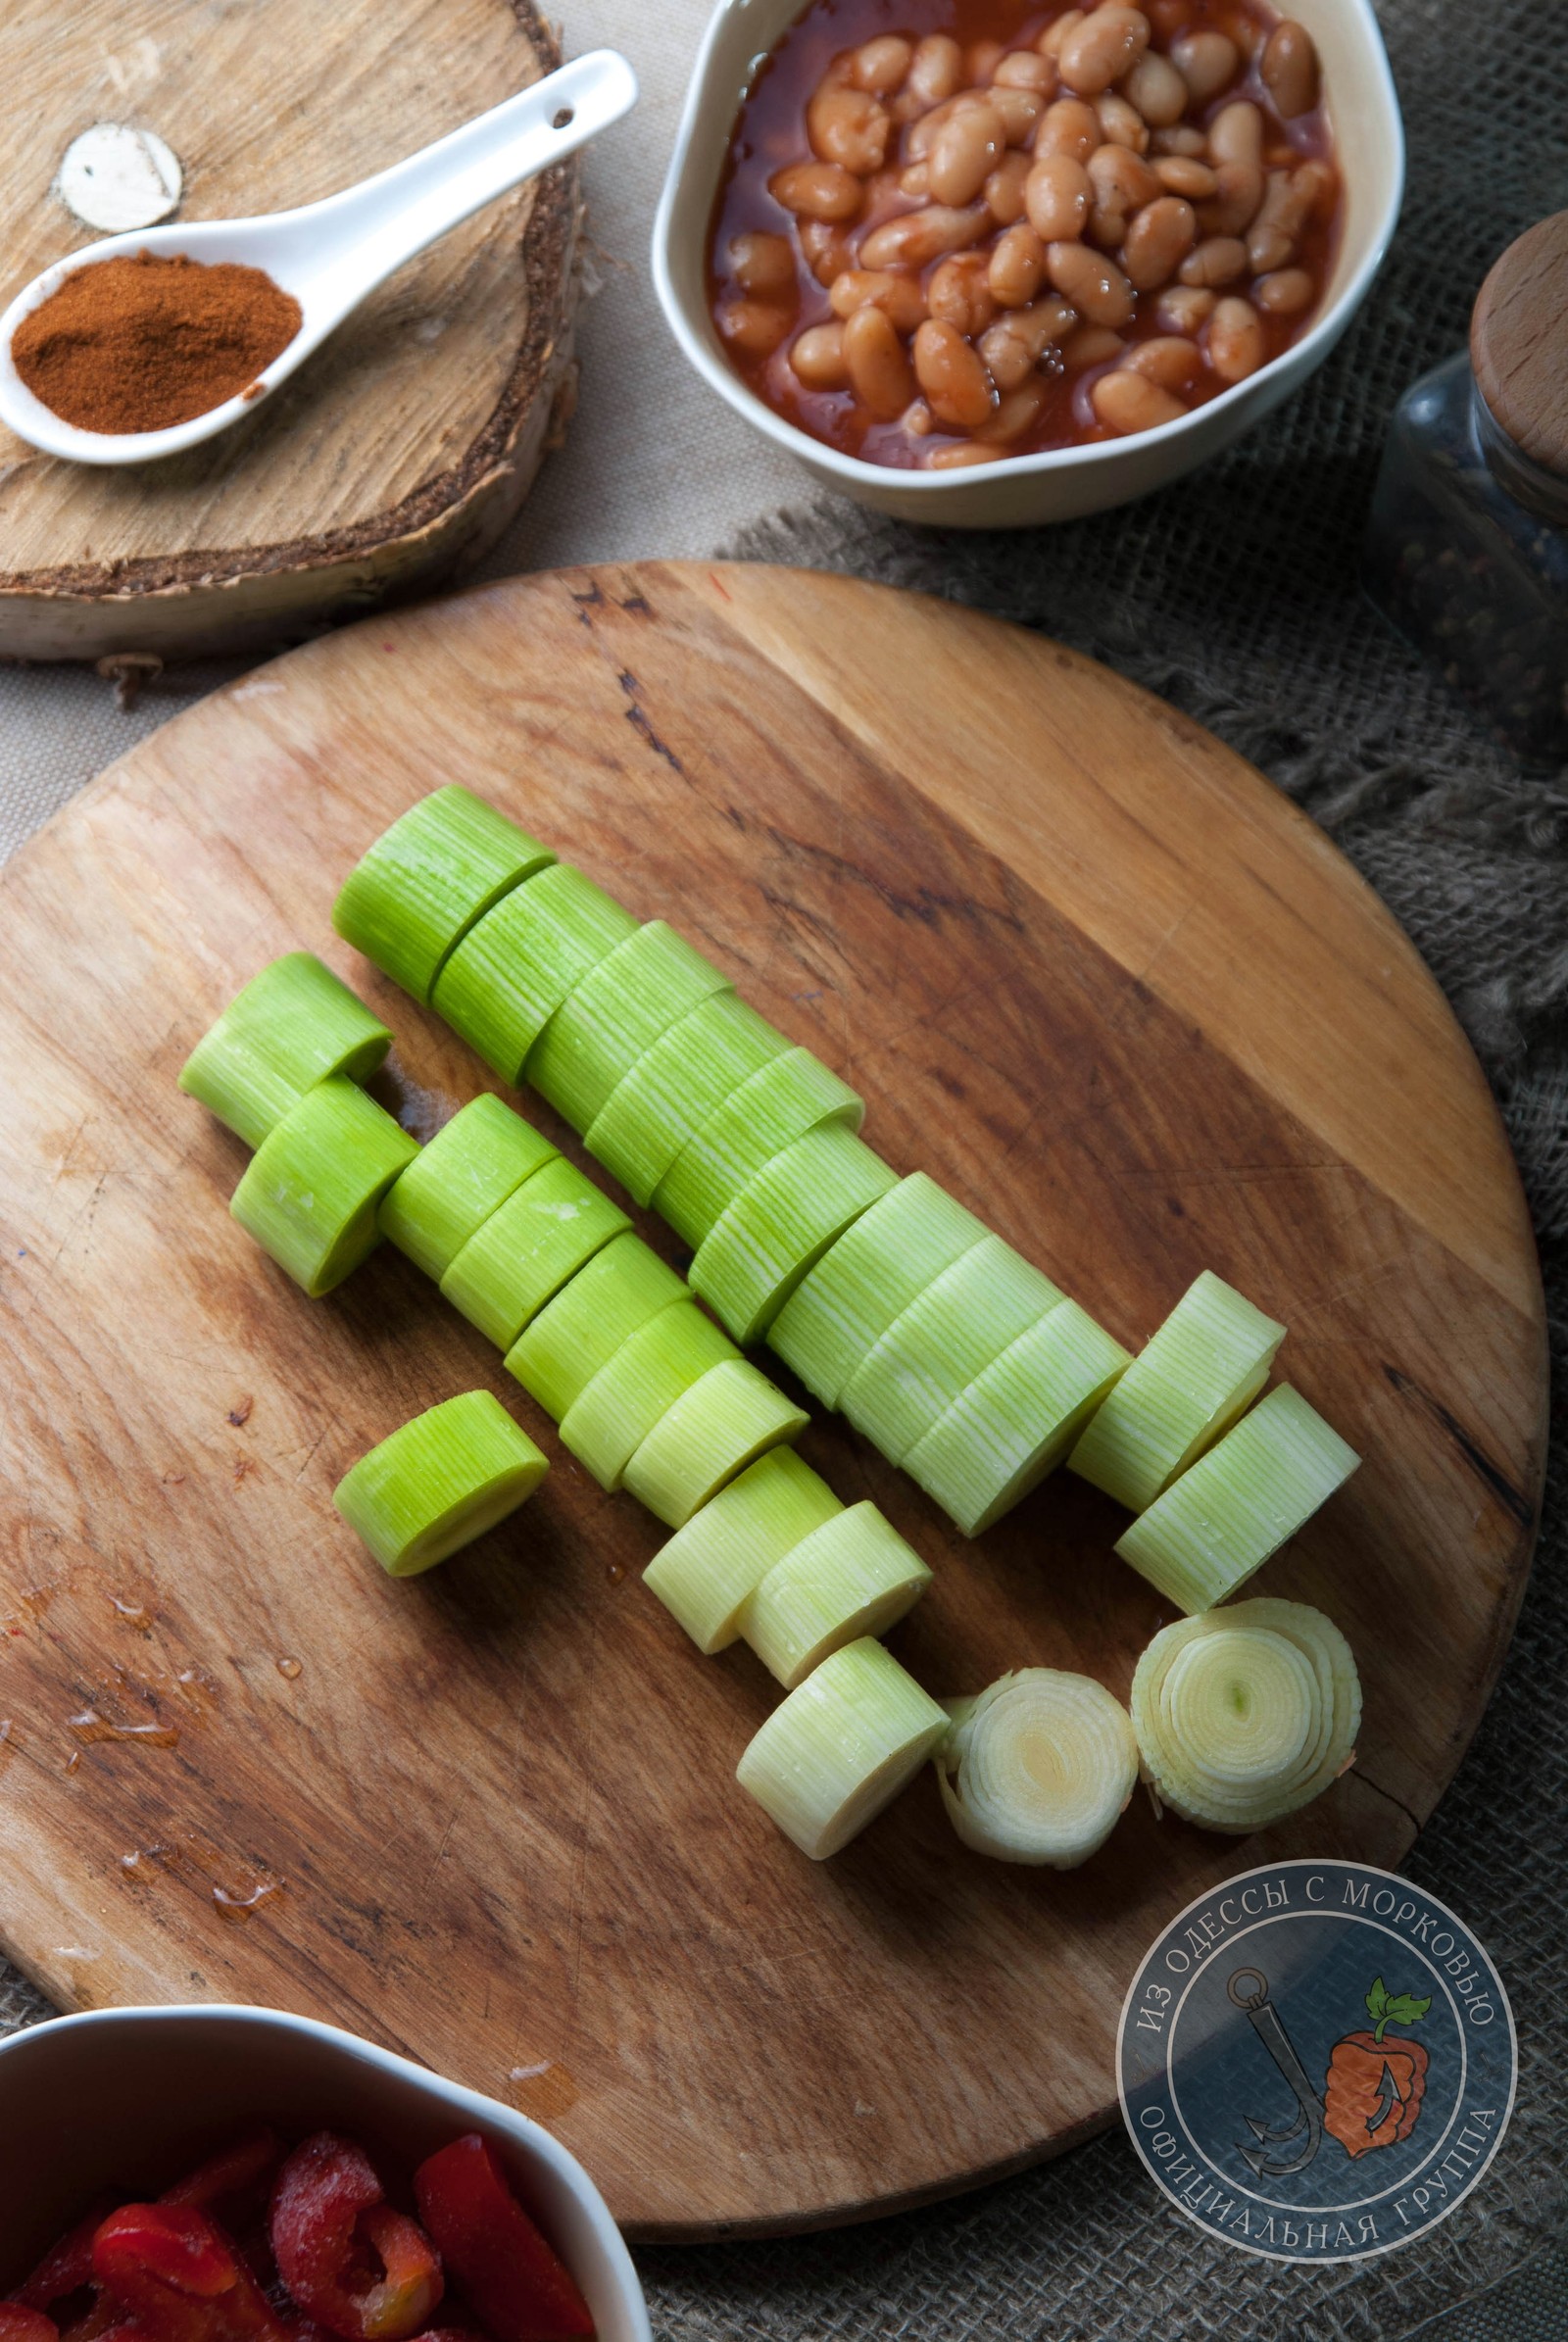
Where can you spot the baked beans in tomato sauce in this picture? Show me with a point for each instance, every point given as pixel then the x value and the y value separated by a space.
pixel 955 230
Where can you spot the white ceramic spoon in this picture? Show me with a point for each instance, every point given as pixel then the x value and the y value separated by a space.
pixel 330 254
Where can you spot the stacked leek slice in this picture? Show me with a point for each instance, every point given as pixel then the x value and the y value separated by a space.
pixel 886 1297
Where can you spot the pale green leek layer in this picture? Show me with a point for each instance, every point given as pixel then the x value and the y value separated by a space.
pixel 1188 1384
pixel 287 1029
pixel 840 1746
pixel 311 1191
pixel 512 971
pixel 782 1222
pixel 1038 1768
pixel 467 1172
pixel 414 896
pixel 440 1481
pixel 560 1351
pixel 613 1017
pixel 1246 1714
pixel 1238 1503
pixel 710 1569
pixel 530 1247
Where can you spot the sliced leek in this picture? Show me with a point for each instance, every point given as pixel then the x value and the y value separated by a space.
pixel 882 1262
pixel 1017 1418
pixel 1190 1383
pixel 776 1105
pixel 934 1349
pixel 615 1412
pixel 311 1191
pixel 440 1481
pixel 412 898
pixel 710 1569
pixel 839 1749
pixel 1238 1503
pixel 524 1253
pixel 1244 1715
pixel 854 1576
pixel 729 1417
pixel 1038 1768
pixel 782 1222
pixel 512 970
pixel 560 1351
pixel 286 1030
pixel 618 1010
pixel 467 1172
pixel 675 1084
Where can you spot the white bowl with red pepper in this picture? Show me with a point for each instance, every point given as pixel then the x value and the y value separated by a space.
pixel 1004 264
pixel 234 2174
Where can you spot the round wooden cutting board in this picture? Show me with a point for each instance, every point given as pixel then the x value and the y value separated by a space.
pixel 1090 971
pixel 409 440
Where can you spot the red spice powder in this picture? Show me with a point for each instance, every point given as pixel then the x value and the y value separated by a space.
pixel 142 342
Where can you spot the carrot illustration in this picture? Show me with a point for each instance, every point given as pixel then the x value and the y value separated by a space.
pixel 1375 2087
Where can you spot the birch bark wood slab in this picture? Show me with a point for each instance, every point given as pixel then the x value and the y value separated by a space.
pixel 409 441
pixel 1093 973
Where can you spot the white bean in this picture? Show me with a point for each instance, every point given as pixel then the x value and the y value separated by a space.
pixel 1235 342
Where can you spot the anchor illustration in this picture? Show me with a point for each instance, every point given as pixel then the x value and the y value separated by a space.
pixel 1374 2088
pixel 1247 1988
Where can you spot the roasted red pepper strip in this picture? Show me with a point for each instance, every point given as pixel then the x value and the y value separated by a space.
pixel 348 2261
pixel 521 2289
pixel 67 2266
pixel 18 2325
pixel 247 2167
pixel 178 2278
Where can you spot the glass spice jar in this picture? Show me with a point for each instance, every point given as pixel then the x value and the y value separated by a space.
pixel 1467 546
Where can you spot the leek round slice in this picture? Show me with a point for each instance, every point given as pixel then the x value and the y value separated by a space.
pixel 512 969
pixel 560 1350
pixel 774 1106
pixel 290 1027
pixel 544 1233
pixel 440 1481
pixel 854 1576
pixel 616 1013
pixel 839 1749
pixel 1038 1768
pixel 882 1262
pixel 412 899
pixel 710 1569
pixel 934 1349
pixel 729 1417
pixel 1244 1715
pixel 467 1172
pixel 673 1087
pixel 615 1412
pixel 1238 1503
pixel 1190 1383
pixel 782 1222
pixel 311 1189
pixel 1017 1420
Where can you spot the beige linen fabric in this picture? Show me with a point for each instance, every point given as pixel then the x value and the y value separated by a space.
pixel 1235 594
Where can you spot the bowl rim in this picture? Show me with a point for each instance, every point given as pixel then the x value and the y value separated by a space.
pixel 610 2244
pixel 1301 358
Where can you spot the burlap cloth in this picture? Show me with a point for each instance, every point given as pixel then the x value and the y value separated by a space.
pixel 1235 596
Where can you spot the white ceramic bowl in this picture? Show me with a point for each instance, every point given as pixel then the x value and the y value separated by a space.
pixel 130 2097
pixel 1025 490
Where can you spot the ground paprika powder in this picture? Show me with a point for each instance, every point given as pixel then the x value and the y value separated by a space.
pixel 149 339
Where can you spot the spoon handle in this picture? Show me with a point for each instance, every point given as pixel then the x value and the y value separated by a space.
pixel 349 242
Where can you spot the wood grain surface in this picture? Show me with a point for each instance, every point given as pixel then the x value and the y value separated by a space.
pixel 1092 973
pixel 411 437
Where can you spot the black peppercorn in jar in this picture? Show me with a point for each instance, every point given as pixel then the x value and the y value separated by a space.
pixel 1467 551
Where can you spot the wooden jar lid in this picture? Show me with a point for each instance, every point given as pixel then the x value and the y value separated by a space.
pixel 1519 343
pixel 409 440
